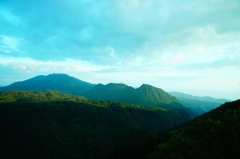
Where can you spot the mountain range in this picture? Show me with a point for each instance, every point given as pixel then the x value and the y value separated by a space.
pixel 145 95
pixel 205 99
pixel 199 105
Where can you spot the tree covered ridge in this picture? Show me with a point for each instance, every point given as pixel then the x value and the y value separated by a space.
pixel 51 124
pixel 145 95
pixel 213 135
pixel 34 96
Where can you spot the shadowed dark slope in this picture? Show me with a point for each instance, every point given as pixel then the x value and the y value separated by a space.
pixel 215 134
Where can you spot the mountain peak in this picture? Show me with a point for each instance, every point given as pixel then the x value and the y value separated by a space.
pixel 145 95
pixel 116 85
pixel 144 85
pixel 55 81
pixel 58 74
pixel 147 86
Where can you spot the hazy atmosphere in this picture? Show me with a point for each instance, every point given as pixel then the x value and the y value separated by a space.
pixel 186 46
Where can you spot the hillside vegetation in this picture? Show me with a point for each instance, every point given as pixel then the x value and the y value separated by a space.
pixel 79 128
pixel 51 124
pixel 145 95
pixel 213 135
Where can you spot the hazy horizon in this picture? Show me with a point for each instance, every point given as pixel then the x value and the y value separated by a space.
pixel 184 46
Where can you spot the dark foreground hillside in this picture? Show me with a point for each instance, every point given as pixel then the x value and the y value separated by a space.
pixel 55 125
pixel 213 135
pixel 78 128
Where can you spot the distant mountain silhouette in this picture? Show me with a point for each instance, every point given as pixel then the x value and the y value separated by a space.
pixel 206 98
pixel 58 82
pixel 200 105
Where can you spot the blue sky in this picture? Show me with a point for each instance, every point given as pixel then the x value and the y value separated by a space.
pixel 187 46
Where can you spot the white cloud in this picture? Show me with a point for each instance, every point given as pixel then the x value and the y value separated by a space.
pixel 66 65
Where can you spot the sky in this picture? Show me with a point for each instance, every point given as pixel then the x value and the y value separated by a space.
pixel 189 46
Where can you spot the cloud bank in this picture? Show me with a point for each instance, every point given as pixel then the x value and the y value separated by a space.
pixel 162 43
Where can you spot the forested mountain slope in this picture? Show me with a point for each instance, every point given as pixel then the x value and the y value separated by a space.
pixel 56 125
pixel 145 95
pixel 214 135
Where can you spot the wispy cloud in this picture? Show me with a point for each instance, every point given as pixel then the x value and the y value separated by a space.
pixel 68 65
